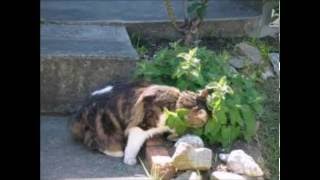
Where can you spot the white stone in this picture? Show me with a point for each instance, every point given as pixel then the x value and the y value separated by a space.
pixel 274 58
pixel 275 23
pixel 269 31
pixel 189 175
pixel 162 166
pixel 222 175
pixel 187 157
pixel 233 70
pixel 241 163
pixel 224 157
pixel 267 73
pixel 193 140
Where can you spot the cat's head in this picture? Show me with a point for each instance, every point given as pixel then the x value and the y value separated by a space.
pixel 196 104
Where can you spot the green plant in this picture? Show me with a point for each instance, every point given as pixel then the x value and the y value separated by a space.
pixel 139 44
pixel 234 102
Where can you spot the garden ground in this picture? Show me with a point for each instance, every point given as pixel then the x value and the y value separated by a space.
pixel 267 138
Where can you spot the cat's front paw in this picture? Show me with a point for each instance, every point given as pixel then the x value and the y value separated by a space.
pixel 130 161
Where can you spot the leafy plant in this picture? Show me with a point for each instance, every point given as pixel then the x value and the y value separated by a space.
pixel 234 102
pixel 139 44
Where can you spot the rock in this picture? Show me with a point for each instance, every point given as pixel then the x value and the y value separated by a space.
pixel 274 58
pixel 195 176
pixel 222 167
pixel 187 157
pixel 254 150
pixel 162 166
pixel 237 62
pixel 241 163
pixel 222 175
pixel 224 157
pixel 267 73
pixel 275 23
pixel 193 140
pixel 189 175
pixel 253 178
pixel 233 70
pixel 252 53
pixel 269 31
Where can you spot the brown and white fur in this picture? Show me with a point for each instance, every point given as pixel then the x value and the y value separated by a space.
pixel 122 116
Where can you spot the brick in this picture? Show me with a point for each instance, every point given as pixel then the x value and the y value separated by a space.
pixel 158 159
pixel 155 141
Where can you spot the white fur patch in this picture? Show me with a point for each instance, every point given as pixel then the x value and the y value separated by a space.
pixel 136 138
pixel 102 91
pixel 114 154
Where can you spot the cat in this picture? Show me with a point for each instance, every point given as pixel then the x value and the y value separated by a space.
pixel 117 119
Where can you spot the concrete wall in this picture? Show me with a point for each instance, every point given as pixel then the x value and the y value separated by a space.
pixel 66 82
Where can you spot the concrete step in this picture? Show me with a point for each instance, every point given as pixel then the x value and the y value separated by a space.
pixel 228 17
pixel 128 11
pixel 62 158
pixel 76 59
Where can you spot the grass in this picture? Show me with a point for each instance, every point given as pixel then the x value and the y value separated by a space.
pixel 141 45
pixel 268 133
pixel 154 175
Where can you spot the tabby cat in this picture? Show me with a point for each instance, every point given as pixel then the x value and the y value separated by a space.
pixel 119 118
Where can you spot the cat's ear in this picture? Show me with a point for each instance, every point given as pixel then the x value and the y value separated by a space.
pixel 204 93
pixel 148 94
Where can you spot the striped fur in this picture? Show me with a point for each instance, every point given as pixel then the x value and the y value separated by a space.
pixel 121 118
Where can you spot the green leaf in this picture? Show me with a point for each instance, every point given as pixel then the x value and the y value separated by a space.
pixel 212 127
pixel 212 85
pixel 217 103
pixel 194 73
pixel 175 122
pixel 235 117
pixel 249 120
pixel 182 112
pixel 235 132
pixel 225 138
pixel 221 117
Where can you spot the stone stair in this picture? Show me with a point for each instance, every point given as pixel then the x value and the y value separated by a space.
pixel 85 43
pixel 75 59
pixel 223 18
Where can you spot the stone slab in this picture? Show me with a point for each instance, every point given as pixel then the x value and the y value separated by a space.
pixel 225 18
pixel 62 158
pixel 83 41
pixel 77 59
pixel 132 11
